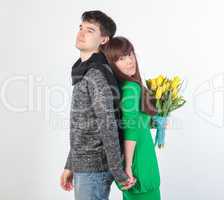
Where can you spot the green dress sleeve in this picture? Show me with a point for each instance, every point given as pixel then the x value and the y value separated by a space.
pixel 130 109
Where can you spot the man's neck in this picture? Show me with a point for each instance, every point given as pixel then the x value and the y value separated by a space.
pixel 84 55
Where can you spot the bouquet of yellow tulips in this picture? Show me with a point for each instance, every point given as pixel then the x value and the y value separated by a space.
pixel 168 99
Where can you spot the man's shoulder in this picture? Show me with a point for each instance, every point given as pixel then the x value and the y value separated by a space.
pixel 95 74
pixel 102 75
pixel 99 71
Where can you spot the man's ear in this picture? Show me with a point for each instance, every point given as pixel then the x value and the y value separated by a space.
pixel 105 40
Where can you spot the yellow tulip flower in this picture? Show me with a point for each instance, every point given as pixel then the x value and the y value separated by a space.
pixel 175 82
pixel 159 80
pixel 153 84
pixel 167 85
pixel 174 94
pixel 164 88
pixel 159 92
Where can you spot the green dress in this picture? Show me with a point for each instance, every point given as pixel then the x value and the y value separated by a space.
pixel 136 128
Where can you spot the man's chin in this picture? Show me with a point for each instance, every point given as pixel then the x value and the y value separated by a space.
pixel 81 48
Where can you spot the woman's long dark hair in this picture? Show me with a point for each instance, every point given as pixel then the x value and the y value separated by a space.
pixel 113 50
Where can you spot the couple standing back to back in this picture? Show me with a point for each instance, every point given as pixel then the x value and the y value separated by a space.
pixel 110 138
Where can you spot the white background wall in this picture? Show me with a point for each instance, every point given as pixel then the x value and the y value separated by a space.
pixel 37 50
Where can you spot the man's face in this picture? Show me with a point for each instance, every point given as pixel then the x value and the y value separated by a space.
pixel 89 37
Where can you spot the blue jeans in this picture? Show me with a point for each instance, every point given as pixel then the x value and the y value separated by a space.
pixel 92 185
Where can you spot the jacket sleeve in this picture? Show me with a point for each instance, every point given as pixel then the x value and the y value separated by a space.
pixel 130 110
pixel 68 164
pixel 102 102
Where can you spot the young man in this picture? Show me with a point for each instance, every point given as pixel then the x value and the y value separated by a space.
pixel 94 159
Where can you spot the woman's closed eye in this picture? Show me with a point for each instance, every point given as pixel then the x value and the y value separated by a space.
pixel 121 58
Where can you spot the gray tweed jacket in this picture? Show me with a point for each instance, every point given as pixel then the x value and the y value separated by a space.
pixel 94 142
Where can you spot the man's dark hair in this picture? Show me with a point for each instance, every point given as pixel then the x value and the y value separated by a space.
pixel 107 25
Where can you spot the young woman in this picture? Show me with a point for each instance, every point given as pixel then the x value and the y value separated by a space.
pixel 140 161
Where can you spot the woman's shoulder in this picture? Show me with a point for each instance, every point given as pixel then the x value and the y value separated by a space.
pixel 130 85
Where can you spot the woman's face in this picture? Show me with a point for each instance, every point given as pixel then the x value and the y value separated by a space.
pixel 127 64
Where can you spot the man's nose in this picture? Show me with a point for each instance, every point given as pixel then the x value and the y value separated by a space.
pixel 82 33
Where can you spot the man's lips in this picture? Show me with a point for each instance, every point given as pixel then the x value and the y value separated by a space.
pixel 81 41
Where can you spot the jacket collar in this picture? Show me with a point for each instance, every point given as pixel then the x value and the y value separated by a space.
pixel 80 68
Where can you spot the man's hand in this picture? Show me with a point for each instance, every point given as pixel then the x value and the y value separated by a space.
pixel 66 180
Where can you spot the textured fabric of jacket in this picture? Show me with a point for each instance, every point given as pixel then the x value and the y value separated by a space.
pixel 94 137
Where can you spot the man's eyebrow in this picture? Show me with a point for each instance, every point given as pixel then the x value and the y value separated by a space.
pixel 92 29
pixel 89 28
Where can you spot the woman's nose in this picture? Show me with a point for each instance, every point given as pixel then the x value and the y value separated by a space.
pixel 129 60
